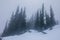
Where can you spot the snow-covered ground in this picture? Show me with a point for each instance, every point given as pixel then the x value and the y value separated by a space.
pixel 34 35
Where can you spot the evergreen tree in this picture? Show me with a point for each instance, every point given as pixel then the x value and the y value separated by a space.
pixel 24 20
pixel 17 24
pixel 52 19
pixel 37 21
pixel 42 18
pixel 19 21
pixel 47 20
pixel 8 29
pixel 5 30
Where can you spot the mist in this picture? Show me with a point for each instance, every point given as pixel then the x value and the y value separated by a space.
pixel 9 6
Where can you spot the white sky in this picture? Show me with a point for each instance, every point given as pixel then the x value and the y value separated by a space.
pixel 8 6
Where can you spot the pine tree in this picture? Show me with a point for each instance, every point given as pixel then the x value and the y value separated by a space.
pixel 42 18
pixel 5 30
pixel 17 24
pixel 52 19
pixel 37 21
pixel 21 22
pixel 47 20
pixel 24 20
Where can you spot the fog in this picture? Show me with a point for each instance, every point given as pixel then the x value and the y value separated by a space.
pixel 9 6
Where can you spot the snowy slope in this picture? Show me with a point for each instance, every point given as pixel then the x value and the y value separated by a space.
pixel 34 35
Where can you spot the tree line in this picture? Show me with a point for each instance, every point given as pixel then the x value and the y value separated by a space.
pixel 43 21
pixel 40 22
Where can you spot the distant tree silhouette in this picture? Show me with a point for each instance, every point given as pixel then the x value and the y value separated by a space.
pixel 23 24
pixel 52 19
pixel 37 21
pixel 47 20
pixel 31 22
pixel 16 25
pixel 44 21
pixel 5 30
pixel 42 18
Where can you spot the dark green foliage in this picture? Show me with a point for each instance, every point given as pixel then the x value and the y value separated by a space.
pixel 37 21
pixel 42 18
pixel 42 24
pixel 23 24
pixel 47 21
pixel 4 33
pixel 17 24
pixel 52 19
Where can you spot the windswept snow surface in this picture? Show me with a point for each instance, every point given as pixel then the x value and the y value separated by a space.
pixel 34 35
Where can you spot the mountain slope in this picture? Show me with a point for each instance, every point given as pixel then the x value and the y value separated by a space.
pixel 34 35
